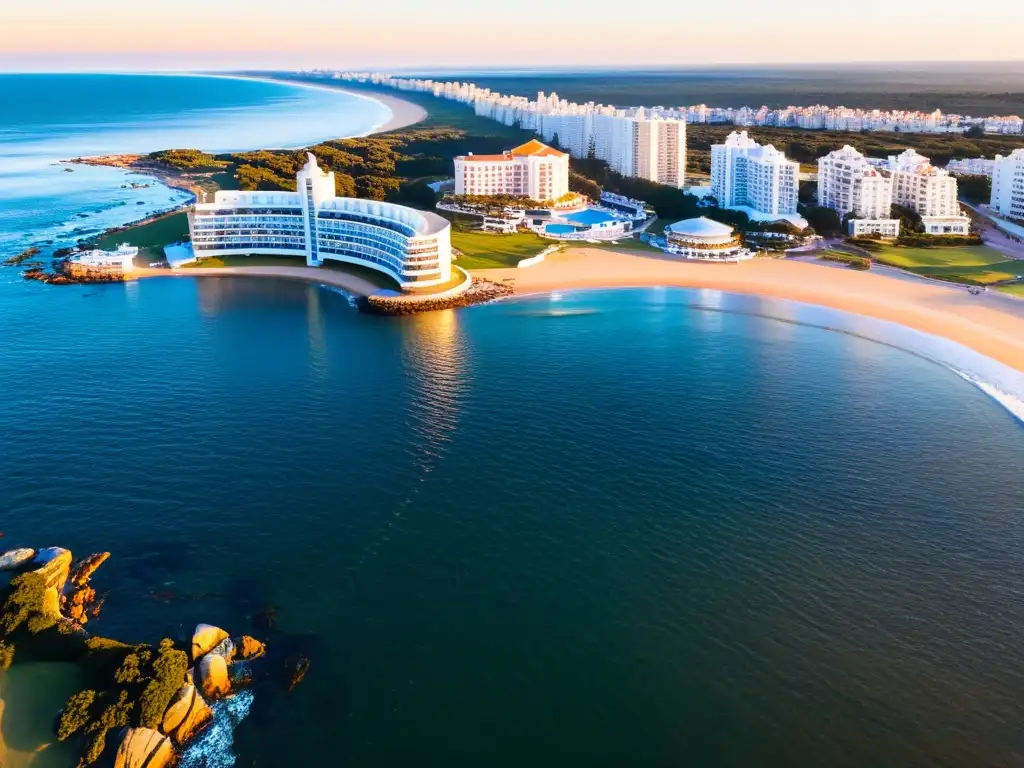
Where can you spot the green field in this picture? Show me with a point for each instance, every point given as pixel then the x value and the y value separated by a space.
pixel 150 238
pixel 482 250
pixel 974 264
pixel 247 261
pixel 1017 289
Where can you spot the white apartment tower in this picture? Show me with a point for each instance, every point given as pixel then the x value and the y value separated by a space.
pixel 659 149
pixel 1008 185
pixel 532 170
pixel 745 173
pixel 849 185
pixel 930 191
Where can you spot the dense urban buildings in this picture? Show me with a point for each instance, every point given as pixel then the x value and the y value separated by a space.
pixel 972 166
pixel 853 187
pixel 930 191
pixel 412 247
pixel 532 170
pixel 746 174
pixel 1008 185
pixel 570 118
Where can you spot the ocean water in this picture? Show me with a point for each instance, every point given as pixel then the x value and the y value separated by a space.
pixel 652 527
pixel 48 118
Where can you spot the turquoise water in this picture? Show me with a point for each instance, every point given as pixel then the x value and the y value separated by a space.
pixel 650 527
pixel 589 216
pixel 48 118
pixel 559 229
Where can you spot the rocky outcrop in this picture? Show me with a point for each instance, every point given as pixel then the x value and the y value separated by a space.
pixel 85 568
pixel 16 558
pixel 144 748
pixel 479 292
pixel 225 648
pixel 205 639
pixel 212 676
pixel 250 648
pixel 187 714
pixel 54 565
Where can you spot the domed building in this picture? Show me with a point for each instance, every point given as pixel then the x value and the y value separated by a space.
pixel 705 240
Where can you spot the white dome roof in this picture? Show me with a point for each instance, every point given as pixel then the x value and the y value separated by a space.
pixel 702 227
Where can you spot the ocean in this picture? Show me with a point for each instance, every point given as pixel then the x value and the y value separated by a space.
pixel 648 527
pixel 47 118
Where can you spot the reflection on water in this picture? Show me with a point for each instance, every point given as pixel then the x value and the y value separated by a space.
pixel 32 696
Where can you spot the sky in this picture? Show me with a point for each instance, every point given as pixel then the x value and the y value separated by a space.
pixel 72 35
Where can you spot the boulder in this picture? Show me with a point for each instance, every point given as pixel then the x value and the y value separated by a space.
pixel 250 648
pixel 16 558
pixel 54 564
pixel 225 648
pixel 84 569
pixel 186 715
pixel 205 639
pixel 213 676
pixel 144 748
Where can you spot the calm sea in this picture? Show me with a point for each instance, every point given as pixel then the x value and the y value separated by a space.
pixel 47 118
pixel 626 528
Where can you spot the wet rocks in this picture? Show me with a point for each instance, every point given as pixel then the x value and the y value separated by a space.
pixel 250 648
pixel 86 567
pixel 187 714
pixel 16 558
pixel 479 292
pixel 212 676
pixel 205 639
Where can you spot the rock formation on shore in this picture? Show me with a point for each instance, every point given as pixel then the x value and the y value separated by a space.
pixel 143 704
pixel 480 292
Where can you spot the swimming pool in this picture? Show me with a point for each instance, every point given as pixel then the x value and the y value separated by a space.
pixel 589 216
pixel 559 229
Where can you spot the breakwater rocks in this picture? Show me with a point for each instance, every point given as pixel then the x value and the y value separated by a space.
pixel 141 705
pixel 65 272
pixel 479 292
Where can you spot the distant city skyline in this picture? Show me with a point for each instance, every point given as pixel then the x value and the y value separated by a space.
pixel 60 35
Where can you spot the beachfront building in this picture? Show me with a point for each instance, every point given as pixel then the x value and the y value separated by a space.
pixel 930 191
pixel 123 259
pixel 412 247
pixel 705 240
pixel 1008 185
pixel 852 187
pixel 532 170
pixel 745 174
pixel 659 149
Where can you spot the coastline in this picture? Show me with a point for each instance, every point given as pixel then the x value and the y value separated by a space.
pixel 990 324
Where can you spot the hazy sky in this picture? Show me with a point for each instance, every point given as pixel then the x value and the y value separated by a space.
pixel 67 35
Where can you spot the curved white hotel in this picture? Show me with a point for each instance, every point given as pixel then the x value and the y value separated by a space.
pixel 412 247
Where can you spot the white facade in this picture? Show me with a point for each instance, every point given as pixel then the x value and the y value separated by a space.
pixel 850 185
pixel 744 173
pixel 1008 185
pixel 702 239
pixel 972 166
pixel 533 170
pixel 123 258
pixel 930 191
pixel 412 247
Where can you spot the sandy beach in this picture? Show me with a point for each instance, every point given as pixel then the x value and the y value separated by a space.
pixel 992 323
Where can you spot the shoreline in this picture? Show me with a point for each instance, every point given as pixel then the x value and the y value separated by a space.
pixel 990 324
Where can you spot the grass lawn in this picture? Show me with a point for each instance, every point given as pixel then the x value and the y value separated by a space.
pixel 482 250
pixel 976 264
pixel 247 261
pixel 150 238
pixel 1017 289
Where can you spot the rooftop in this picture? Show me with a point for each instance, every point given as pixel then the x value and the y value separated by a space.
pixel 532 148
pixel 700 227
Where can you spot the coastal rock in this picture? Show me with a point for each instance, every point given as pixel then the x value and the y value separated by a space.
pixel 225 648
pixel 144 748
pixel 85 568
pixel 205 639
pixel 16 558
pixel 54 565
pixel 213 676
pixel 79 603
pixel 250 648
pixel 187 714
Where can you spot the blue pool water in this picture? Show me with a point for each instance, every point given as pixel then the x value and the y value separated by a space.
pixel 590 216
pixel 559 229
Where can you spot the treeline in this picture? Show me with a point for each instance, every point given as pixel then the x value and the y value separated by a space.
pixel 806 146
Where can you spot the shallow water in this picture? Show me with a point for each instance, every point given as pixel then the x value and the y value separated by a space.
pixel 674 527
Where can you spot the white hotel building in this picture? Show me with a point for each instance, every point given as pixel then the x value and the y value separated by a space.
pixel 532 170
pixel 850 185
pixel 412 247
pixel 746 174
pixel 930 191
pixel 1008 185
